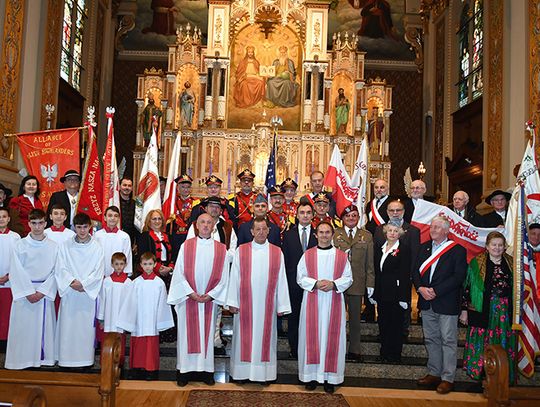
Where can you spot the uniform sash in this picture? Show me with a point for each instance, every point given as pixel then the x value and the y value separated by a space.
pixel 246 301
pixel 375 215
pixel 312 314
pixel 436 255
pixel 192 306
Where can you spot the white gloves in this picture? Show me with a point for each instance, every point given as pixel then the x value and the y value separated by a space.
pixel 370 291
pixel 403 305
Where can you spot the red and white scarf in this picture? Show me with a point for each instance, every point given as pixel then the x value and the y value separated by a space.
pixel 246 301
pixel 159 247
pixel 436 255
pixel 192 306
pixel 312 314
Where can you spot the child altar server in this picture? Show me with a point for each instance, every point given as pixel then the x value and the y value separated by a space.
pixel 58 232
pixel 8 239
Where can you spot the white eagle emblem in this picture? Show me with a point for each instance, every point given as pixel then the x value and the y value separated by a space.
pixel 49 173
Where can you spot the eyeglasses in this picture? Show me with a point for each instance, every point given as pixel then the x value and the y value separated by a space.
pixel 395 210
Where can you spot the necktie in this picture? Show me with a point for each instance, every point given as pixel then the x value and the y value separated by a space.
pixel 351 236
pixel 304 238
pixel 378 203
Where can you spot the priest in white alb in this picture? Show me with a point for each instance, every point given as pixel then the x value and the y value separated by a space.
pixel 324 273
pixel 198 286
pixel 258 294
pixel 79 275
pixel 33 319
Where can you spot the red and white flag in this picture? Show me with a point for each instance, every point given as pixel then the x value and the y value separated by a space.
pixel 90 193
pixel 472 238
pixel 111 178
pixel 338 179
pixel 360 179
pixel 169 199
pixel 147 197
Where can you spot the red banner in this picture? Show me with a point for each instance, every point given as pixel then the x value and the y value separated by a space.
pixel 90 195
pixel 48 155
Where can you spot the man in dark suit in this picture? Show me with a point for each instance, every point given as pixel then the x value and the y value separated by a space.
pixel 295 242
pixel 418 190
pixel 260 210
pixel 376 208
pixel 460 205
pixel 499 201
pixel 66 198
pixel 440 269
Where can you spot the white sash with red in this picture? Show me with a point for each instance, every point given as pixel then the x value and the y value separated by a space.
pixel 312 314
pixel 246 301
pixel 192 306
pixel 436 255
pixel 375 215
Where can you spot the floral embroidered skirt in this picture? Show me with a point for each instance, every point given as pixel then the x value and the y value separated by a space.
pixel 498 332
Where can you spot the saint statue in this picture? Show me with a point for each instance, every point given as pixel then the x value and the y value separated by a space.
pixel 149 111
pixel 187 105
pixel 375 129
pixel 281 90
pixel 342 107
pixel 249 87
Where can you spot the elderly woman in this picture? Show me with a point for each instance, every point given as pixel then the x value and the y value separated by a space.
pixel 153 239
pixel 27 200
pixel 392 280
pixel 487 303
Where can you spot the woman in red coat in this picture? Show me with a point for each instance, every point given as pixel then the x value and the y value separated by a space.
pixel 27 200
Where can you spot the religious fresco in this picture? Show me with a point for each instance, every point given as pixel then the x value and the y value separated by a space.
pixel 156 21
pixel 265 76
pixel 379 24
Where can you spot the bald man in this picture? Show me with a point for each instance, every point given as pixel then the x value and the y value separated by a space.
pixel 376 208
pixel 460 205
pixel 418 190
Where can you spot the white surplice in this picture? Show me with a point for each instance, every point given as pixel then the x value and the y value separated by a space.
pixel 115 242
pixel 113 295
pixel 32 326
pixel 325 269
pixel 59 237
pixel 256 370
pixel 145 311
pixel 178 294
pixel 7 243
pixel 76 331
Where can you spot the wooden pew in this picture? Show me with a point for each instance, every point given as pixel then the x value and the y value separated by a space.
pixel 30 396
pixel 71 389
pixel 496 386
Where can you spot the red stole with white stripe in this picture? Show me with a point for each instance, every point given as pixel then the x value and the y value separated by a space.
pixel 436 255
pixel 375 215
pixel 192 306
pixel 246 301
pixel 312 314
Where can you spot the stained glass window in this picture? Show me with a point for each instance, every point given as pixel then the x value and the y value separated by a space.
pixel 470 48
pixel 71 64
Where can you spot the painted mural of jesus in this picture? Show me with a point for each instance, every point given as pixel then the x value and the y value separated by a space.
pixel 249 87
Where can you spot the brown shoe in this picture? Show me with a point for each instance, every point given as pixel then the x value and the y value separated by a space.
pixel 429 380
pixel 445 387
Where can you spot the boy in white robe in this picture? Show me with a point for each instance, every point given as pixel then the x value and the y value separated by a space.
pixel 79 276
pixel 198 286
pixel 114 240
pixel 145 313
pixel 324 273
pixel 114 292
pixel 258 293
pixel 8 238
pixel 33 319
pixel 58 232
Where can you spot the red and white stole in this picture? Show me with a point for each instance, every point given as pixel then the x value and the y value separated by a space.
pixel 436 255
pixel 246 301
pixel 192 306
pixel 312 314
pixel 375 215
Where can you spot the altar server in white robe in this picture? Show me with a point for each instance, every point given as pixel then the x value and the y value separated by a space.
pixel 79 275
pixel 8 238
pixel 33 319
pixel 199 285
pixel 114 240
pixel 324 273
pixel 58 232
pixel 258 293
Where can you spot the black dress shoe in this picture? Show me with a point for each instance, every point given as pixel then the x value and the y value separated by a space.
pixel 329 388
pixel 220 351
pixel 312 385
pixel 293 355
pixel 209 379
pixel 182 379
pixel 355 357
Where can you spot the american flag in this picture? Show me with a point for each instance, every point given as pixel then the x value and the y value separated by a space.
pixel 271 169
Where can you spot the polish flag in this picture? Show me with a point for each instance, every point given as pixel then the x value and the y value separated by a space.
pixel 169 199
pixel 111 178
pixel 338 179
pixel 147 197
pixel 360 179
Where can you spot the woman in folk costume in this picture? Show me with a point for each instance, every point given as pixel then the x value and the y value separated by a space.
pixel 324 273
pixel 153 239
pixel 488 306
pixel 27 200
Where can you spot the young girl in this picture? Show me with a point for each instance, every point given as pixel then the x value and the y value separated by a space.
pixel 145 313
pixel 114 292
